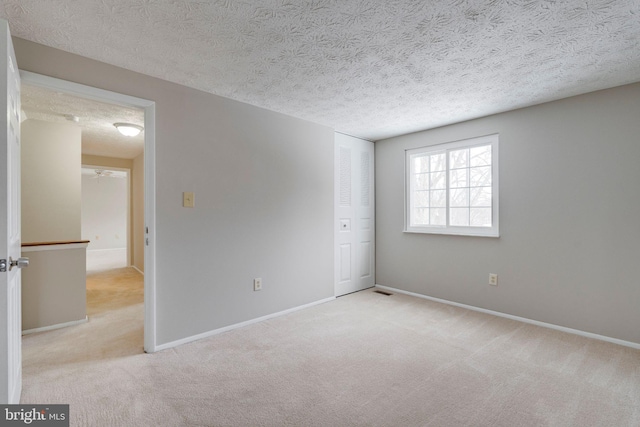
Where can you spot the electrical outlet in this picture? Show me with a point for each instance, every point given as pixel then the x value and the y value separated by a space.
pixel 493 279
pixel 257 284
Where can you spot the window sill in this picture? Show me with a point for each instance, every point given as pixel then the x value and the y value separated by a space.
pixel 452 232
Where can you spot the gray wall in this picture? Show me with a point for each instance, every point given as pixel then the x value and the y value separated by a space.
pixel 569 250
pixel 54 286
pixel 263 186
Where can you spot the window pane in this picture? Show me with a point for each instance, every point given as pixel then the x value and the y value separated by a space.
pixel 421 181
pixel 452 187
pixel 439 199
pixel 438 216
pixel 421 164
pixel 459 178
pixel 480 176
pixel 480 156
pixel 459 159
pixel 438 162
pixel 481 217
pixel 438 180
pixel 459 216
pixel 481 197
pixel 421 199
pixel 459 197
pixel 420 216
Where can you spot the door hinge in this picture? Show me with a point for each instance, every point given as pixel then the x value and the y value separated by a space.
pixel 3 265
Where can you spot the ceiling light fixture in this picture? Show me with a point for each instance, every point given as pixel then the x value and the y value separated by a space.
pixel 128 129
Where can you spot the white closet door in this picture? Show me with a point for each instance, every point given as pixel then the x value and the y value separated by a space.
pixel 354 215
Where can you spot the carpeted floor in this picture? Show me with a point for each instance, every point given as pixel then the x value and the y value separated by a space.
pixel 362 360
pixel 115 329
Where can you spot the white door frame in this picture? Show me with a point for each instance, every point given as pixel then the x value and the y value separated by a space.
pixel 149 107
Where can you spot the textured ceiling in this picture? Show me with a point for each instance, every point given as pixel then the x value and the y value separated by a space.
pixel 96 119
pixel 370 68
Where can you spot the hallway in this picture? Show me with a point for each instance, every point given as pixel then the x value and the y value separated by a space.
pixel 112 290
pixel 115 307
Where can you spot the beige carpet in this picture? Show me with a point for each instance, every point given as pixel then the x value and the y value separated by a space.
pixel 115 328
pixel 363 360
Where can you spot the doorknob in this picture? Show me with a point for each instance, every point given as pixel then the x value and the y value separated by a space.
pixel 20 263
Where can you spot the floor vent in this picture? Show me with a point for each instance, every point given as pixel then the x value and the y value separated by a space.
pixel 383 292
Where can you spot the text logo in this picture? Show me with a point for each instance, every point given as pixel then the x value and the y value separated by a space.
pixel 34 415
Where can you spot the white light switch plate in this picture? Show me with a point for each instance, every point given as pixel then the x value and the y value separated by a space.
pixel 188 199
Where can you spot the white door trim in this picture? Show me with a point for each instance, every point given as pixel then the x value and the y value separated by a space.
pixel 149 107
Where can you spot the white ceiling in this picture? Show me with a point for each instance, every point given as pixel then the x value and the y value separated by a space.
pixel 96 119
pixel 369 68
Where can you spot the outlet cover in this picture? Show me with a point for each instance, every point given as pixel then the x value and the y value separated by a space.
pixel 257 284
pixel 493 279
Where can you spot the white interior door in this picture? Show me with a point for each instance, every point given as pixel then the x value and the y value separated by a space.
pixel 10 278
pixel 354 215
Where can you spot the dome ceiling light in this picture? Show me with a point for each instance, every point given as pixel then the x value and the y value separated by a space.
pixel 128 129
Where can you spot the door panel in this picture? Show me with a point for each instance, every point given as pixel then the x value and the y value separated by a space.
pixel 354 215
pixel 345 262
pixel 10 280
pixel 365 259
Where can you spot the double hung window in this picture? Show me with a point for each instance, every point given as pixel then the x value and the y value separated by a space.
pixel 452 188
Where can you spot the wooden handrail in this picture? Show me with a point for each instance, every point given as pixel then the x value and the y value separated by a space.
pixel 66 242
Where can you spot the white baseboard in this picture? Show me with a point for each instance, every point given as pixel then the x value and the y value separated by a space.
pixel 137 269
pixel 238 325
pixel 518 318
pixel 56 326
pixel 106 259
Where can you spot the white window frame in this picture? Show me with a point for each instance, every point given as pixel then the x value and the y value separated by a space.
pixel 493 230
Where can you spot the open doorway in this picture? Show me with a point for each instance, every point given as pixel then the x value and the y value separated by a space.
pixel 106 217
pixel 114 285
pixel 135 241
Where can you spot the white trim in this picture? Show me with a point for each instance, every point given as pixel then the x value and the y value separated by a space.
pixel 149 107
pixel 239 325
pixel 41 248
pixel 83 91
pixel 56 326
pixel 150 334
pixel 518 318
pixel 17 389
pixel 137 269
